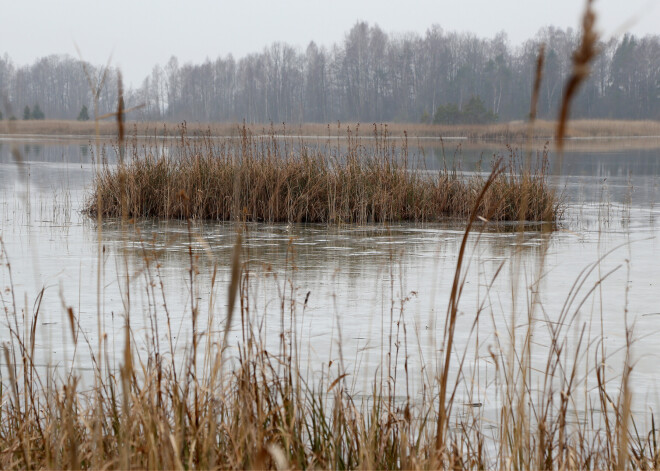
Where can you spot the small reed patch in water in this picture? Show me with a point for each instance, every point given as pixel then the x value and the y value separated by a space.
pixel 267 178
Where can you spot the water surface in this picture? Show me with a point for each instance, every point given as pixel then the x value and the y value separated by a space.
pixel 370 289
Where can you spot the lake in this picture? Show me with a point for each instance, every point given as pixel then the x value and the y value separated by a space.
pixel 345 295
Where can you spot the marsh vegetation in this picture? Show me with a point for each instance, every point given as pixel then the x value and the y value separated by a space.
pixel 181 327
pixel 341 181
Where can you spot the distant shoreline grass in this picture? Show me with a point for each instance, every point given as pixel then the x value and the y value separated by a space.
pixel 506 131
pixel 343 181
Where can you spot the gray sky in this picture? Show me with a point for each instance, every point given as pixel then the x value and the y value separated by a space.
pixel 142 33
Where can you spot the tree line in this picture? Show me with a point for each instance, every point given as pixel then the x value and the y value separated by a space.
pixel 54 87
pixel 370 76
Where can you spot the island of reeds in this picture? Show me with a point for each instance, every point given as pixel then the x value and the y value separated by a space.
pixel 270 178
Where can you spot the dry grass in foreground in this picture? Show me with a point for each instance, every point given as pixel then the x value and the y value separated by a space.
pixel 217 403
pixel 268 179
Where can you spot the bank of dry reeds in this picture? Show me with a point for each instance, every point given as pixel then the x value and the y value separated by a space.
pixel 285 180
pixel 512 131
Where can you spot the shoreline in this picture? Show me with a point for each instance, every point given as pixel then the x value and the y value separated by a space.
pixel 510 131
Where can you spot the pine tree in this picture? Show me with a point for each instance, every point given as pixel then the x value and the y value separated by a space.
pixel 26 113
pixel 447 114
pixel 475 112
pixel 84 114
pixel 37 113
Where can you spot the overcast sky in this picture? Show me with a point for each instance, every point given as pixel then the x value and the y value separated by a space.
pixel 141 33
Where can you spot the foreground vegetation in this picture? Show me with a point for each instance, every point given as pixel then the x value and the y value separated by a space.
pixel 246 399
pixel 269 179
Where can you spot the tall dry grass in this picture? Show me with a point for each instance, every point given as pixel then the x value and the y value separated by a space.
pixel 244 401
pixel 344 181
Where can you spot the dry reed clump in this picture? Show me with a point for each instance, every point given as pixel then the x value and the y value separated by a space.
pixel 275 180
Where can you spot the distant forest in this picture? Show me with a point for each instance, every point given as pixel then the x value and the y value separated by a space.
pixel 370 76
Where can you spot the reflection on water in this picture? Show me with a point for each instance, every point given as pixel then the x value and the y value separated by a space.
pixel 362 280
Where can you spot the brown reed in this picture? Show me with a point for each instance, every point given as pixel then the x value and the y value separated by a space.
pixel 509 132
pixel 582 58
pixel 278 180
